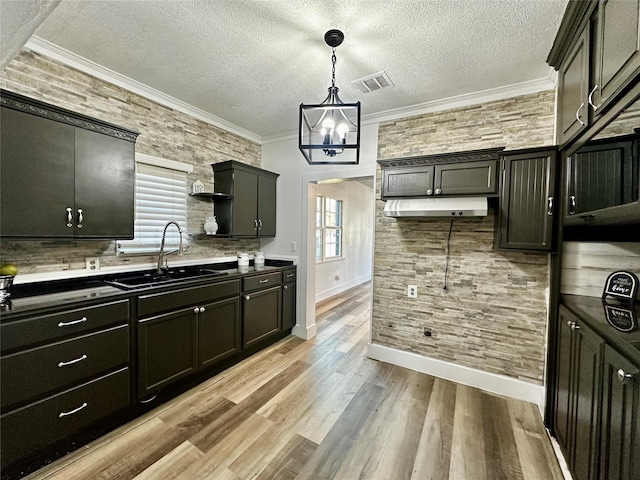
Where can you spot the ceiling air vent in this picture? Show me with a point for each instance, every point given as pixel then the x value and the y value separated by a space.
pixel 374 82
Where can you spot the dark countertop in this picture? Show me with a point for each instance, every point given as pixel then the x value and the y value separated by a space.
pixel 64 294
pixel 592 311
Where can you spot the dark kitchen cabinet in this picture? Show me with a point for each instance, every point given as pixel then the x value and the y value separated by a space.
pixel 602 176
pixel 573 89
pixel 578 386
pixel 167 349
pixel 419 178
pixel 219 334
pixel 261 307
pixel 63 174
pixel 183 331
pixel 251 210
pixel 474 178
pixel 61 371
pixel 528 200
pixel 620 434
pixel 617 49
pixel 288 299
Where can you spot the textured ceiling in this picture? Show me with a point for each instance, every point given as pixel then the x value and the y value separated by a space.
pixel 252 62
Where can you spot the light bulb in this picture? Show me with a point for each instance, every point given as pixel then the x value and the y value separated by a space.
pixel 328 123
pixel 342 130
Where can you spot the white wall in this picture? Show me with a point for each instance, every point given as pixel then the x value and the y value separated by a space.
pixel 285 158
pixel 355 266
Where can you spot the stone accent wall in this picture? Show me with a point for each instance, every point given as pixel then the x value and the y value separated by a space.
pixel 493 314
pixel 164 133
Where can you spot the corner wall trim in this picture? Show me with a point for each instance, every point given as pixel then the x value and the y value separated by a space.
pixel 491 382
pixel 304 333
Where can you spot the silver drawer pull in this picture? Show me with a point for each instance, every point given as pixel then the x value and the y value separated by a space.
pixel 290 275
pixel 266 280
pixel 69 218
pixel 71 412
pixel 66 324
pixel 71 362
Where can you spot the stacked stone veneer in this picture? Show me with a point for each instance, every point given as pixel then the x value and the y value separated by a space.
pixel 493 314
pixel 164 133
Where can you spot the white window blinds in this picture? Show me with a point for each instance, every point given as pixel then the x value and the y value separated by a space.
pixel 161 196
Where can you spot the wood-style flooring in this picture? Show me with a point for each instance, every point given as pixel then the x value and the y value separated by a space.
pixel 320 409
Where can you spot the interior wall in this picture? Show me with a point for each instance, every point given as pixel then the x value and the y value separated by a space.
pixel 164 133
pixel 355 266
pixel 493 314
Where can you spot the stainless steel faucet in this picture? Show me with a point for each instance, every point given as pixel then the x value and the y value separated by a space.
pixel 162 267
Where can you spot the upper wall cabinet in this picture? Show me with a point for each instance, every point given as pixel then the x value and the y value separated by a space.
pixel 463 173
pixel 528 200
pixel 597 55
pixel 64 175
pixel 251 209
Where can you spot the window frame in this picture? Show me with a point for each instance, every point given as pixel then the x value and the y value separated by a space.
pixel 323 227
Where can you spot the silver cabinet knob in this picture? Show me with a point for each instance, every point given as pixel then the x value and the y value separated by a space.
pixel 247 297
pixel 623 376
pixel 429 192
pixel 202 309
pixel 438 191
pixel 196 310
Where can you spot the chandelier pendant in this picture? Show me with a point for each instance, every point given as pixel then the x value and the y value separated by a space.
pixel 329 132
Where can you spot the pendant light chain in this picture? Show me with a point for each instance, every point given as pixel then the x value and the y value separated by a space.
pixel 333 69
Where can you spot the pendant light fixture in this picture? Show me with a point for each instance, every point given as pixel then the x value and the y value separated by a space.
pixel 329 132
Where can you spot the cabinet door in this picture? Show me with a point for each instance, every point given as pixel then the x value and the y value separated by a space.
pixel 585 418
pixel 245 203
pixel 466 178
pixel 618 47
pixel 527 202
pixel 260 315
pixel 562 417
pixel 167 350
pixel 37 158
pixel 601 175
pixel 407 182
pixel 104 186
pixel 288 306
pixel 219 331
pixel 266 206
pixel 620 434
pixel 573 90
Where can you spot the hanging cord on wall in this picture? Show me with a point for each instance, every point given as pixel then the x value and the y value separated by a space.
pixel 446 267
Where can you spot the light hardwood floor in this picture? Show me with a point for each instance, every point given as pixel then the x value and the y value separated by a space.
pixel 320 409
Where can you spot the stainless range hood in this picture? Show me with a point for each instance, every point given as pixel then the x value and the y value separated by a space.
pixel 437 207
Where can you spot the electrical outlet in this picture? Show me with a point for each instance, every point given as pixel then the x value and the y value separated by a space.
pixel 412 291
pixel 92 263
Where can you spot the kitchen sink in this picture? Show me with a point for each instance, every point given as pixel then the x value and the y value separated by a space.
pixel 153 278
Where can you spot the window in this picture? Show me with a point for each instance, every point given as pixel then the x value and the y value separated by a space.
pixel 328 228
pixel 161 196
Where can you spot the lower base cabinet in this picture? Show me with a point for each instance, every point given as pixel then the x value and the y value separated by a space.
pixel 620 433
pixel 578 390
pixel 37 425
pixel 260 314
pixel 219 333
pixel 167 350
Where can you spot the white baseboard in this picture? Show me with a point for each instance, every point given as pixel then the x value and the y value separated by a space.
pixel 341 288
pixel 491 382
pixel 304 333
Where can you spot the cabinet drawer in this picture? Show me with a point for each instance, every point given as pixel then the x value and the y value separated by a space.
pixel 45 328
pixel 261 281
pixel 39 424
pixel 289 276
pixel 36 372
pixel 156 303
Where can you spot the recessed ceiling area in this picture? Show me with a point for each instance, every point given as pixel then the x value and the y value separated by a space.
pixel 252 62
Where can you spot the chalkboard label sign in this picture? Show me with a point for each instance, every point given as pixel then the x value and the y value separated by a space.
pixel 621 285
pixel 623 319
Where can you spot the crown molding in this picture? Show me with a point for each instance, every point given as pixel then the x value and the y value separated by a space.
pixel 44 47
pixel 458 101
pixel 70 59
